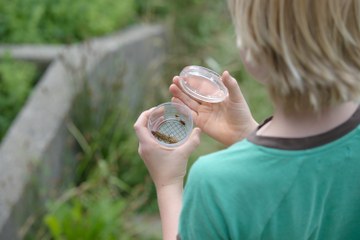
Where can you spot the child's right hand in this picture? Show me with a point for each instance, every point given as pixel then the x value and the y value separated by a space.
pixel 226 122
pixel 166 166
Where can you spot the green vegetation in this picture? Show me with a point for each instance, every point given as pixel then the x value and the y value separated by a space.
pixel 16 80
pixel 111 182
pixel 65 21
pixel 47 21
pixel 91 215
pixel 95 209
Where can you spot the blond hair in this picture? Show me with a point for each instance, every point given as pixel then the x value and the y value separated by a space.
pixel 311 48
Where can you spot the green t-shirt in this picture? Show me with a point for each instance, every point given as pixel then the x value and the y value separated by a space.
pixel 277 188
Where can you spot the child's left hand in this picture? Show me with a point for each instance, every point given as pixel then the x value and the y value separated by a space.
pixel 166 166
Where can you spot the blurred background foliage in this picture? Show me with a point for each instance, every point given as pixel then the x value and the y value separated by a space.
pixel 64 21
pixel 16 80
pixel 111 185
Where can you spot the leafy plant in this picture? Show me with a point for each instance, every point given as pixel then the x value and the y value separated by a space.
pixel 95 209
pixel 111 182
pixel 87 217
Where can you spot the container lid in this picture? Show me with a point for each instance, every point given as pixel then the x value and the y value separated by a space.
pixel 203 84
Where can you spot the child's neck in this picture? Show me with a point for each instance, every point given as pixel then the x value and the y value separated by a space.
pixel 304 125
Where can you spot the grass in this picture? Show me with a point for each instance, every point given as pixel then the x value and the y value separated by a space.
pixel 16 81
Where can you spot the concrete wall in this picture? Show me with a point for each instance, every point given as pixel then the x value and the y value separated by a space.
pixel 35 155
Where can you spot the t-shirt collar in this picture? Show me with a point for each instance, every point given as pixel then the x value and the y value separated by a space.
pixel 306 142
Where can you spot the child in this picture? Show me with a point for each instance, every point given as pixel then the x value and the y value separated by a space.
pixel 297 175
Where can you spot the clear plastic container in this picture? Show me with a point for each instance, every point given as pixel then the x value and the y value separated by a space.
pixel 170 124
pixel 203 84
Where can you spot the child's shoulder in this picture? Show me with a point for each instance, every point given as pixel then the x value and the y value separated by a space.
pixel 244 163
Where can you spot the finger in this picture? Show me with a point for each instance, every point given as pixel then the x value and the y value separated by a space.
pixel 176 81
pixel 191 144
pixel 235 94
pixel 176 91
pixel 140 125
pixel 193 113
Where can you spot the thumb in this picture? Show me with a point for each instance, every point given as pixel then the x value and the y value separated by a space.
pixel 140 126
pixel 235 94
pixel 194 140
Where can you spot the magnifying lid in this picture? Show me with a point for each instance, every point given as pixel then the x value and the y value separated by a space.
pixel 203 84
